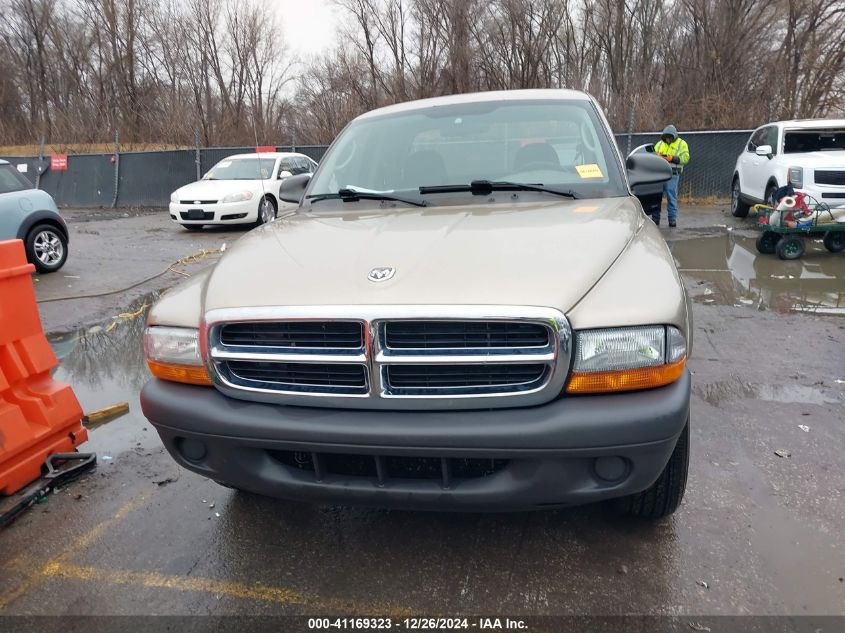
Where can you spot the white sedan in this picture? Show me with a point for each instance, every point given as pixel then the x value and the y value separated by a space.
pixel 241 189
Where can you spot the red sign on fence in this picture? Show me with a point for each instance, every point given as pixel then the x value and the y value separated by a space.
pixel 58 162
pixel 265 149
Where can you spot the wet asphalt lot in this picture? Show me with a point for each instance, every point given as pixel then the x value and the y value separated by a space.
pixel 757 533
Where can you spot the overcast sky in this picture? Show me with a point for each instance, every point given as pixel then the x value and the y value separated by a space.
pixel 309 25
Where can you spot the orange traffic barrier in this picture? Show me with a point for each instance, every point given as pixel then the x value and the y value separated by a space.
pixel 39 416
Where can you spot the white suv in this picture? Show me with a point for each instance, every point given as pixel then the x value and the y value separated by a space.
pixel 808 154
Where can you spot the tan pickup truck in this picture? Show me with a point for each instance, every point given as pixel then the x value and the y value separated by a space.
pixel 469 311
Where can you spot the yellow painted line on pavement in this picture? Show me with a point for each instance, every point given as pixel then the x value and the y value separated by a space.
pixel 258 592
pixel 37 576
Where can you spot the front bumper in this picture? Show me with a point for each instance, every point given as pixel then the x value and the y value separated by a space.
pixel 550 455
pixel 217 213
pixel 832 196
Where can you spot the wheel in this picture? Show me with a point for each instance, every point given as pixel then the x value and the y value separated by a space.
pixel 790 248
pixel 46 247
pixel 664 496
pixel 193 227
pixel 767 242
pixel 739 209
pixel 834 242
pixel 266 211
pixel 770 196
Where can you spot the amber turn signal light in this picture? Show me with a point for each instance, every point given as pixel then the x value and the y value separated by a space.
pixel 626 379
pixel 190 374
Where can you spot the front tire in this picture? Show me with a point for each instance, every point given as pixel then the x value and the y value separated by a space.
pixel 770 196
pixel 46 247
pixel 266 211
pixel 664 496
pixel 739 209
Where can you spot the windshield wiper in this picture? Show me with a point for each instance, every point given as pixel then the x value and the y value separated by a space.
pixel 486 187
pixel 350 194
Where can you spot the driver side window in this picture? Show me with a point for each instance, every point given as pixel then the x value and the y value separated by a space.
pixel 757 138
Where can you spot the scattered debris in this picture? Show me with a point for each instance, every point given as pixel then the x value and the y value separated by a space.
pixel 623 569
pixel 164 482
pixel 782 452
pixel 747 302
pixel 72 277
pixel 211 505
pixel 702 583
pixel 107 414
pixel 78 497
pixel 217 514
pixel 707 291
pixel 841 382
pixel 107 458
pixel 804 428
pixel 223 248
pixel 695 626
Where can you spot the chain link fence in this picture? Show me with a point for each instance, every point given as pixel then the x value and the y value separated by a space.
pixel 146 179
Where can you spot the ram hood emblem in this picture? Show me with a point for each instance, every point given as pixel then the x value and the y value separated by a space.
pixel 382 273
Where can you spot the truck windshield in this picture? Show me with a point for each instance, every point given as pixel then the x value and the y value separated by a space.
pixel 821 140
pixel 554 144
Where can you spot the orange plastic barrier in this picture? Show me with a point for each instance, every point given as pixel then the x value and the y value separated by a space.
pixel 39 416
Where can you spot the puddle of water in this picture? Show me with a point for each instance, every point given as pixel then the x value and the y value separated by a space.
pixel 718 392
pixel 734 273
pixel 105 365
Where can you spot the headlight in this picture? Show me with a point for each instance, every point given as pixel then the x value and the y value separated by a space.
pixel 796 177
pixel 174 197
pixel 624 359
pixel 241 196
pixel 173 354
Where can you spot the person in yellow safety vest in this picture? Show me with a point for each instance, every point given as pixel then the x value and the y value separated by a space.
pixel 676 152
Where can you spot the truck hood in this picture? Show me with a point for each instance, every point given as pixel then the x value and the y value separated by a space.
pixel 542 253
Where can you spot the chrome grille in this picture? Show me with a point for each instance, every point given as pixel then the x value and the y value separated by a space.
pixel 466 378
pixel 390 357
pixel 315 334
pixel 300 376
pixel 464 334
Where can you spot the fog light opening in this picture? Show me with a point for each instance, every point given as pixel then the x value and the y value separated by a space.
pixel 611 469
pixel 192 450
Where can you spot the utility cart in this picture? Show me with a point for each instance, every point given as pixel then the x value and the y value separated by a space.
pixel 783 231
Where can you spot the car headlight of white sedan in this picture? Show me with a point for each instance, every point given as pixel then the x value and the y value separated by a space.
pixel 174 197
pixel 240 196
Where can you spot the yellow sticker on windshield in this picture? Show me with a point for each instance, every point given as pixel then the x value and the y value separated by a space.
pixel 589 171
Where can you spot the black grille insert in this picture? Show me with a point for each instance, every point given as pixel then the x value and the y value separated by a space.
pixel 196 214
pixel 830 177
pixel 300 374
pixel 457 376
pixel 464 334
pixel 314 334
pixel 384 468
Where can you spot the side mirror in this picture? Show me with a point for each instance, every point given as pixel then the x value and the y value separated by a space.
pixel 292 189
pixel 284 174
pixel 646 174
pixel 764 150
